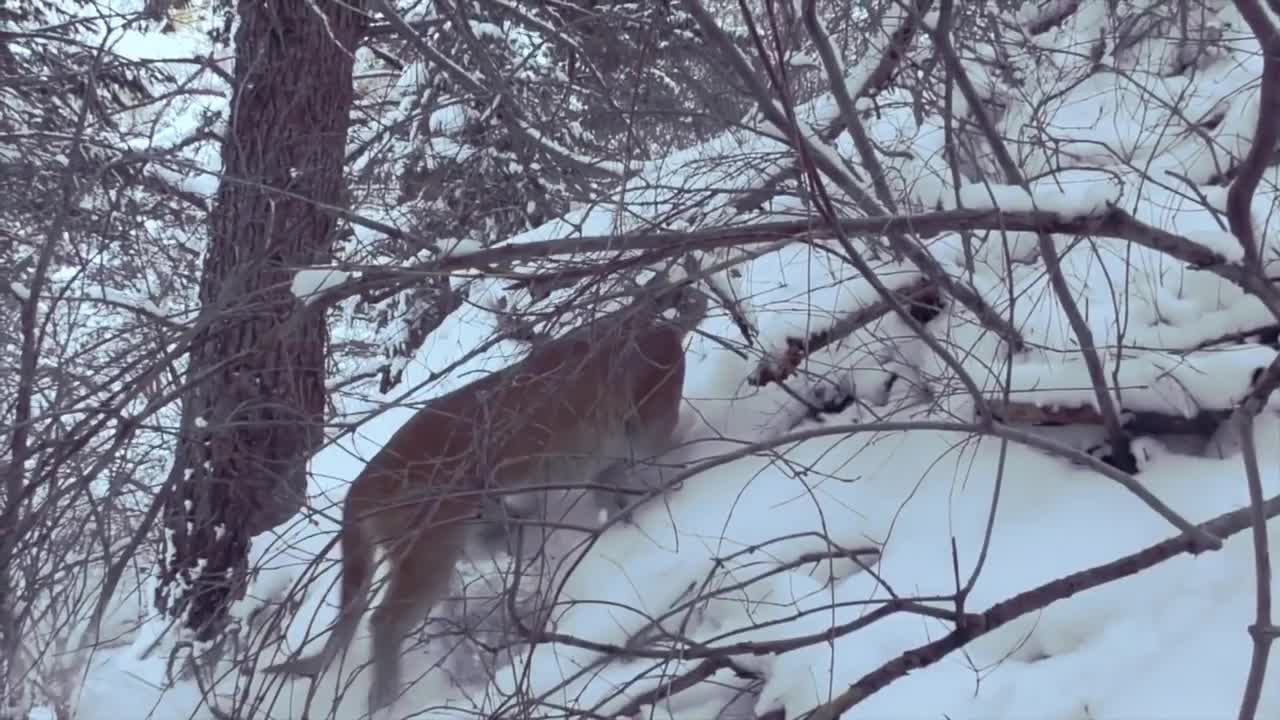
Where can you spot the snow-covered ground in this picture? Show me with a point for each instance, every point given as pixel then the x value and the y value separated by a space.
pixel 1169 642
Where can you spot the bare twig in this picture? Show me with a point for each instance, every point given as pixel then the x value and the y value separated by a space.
pixel 836 80
pixel 875 80
pixel 824 161
pixel 511 117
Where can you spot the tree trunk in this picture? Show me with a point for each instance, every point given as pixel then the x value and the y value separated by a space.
pixel 258 390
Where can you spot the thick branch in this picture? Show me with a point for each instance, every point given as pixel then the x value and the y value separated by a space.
pixel 1115 223
pixel 1263 630
pixel 1141 422
pixel 1266 134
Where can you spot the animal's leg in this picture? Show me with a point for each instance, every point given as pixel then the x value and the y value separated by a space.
pixel 648 466
pixel 420 575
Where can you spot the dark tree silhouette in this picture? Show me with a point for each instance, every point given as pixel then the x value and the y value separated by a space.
pixel 255 413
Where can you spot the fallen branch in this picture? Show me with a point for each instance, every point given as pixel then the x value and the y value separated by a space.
pixel 780 366
pixel 1138 422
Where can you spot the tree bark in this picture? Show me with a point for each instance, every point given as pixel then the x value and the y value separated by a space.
pixel 258 390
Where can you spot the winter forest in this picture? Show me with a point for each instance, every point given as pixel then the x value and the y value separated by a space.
pixel 670 359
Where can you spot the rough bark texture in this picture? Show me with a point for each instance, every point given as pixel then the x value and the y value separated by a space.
pixel 259 393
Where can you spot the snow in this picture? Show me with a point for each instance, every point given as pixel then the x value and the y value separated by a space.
pixel 1167 643
pixel 1088 196
pixel 1053 520
pixel 311 282
pixel 459 247
pixel 487 30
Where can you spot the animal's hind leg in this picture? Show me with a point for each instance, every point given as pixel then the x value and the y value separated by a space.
pixel 420 574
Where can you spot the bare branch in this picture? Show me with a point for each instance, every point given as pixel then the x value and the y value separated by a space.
pixel 1263 631
pixel 837 80
pixel 511 116
pixel 1048 252
pixel 823 160
pixel 1266 134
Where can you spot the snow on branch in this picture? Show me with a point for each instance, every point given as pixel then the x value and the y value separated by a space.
pixel 781 363
pixel 1114 223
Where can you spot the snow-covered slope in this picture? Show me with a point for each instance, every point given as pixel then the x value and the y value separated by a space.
pixel 901 472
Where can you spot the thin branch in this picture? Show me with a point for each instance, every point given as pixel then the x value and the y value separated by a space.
pixel 1266 133
pixel 511 117
pixel 837 80
pixel 1048 251
pixel 875 80
pixel 824 160
pixel 1114 222
pixel 674 686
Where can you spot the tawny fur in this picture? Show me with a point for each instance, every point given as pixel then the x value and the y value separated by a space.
pixel 573 407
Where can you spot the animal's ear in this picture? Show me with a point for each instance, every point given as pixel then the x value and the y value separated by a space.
pixel 676 287
pixel 660 291
pixel 691 266
pixel 686 293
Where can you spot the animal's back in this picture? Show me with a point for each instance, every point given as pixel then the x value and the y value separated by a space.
pixel 555 412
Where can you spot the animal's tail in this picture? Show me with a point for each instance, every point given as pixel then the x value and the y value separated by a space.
pixel 357 575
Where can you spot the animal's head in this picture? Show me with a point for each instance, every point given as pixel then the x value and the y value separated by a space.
pixel 683 289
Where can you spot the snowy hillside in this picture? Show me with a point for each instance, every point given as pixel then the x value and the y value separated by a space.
pixel 1003 520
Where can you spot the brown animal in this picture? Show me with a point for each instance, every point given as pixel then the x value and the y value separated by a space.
pixel 569 412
